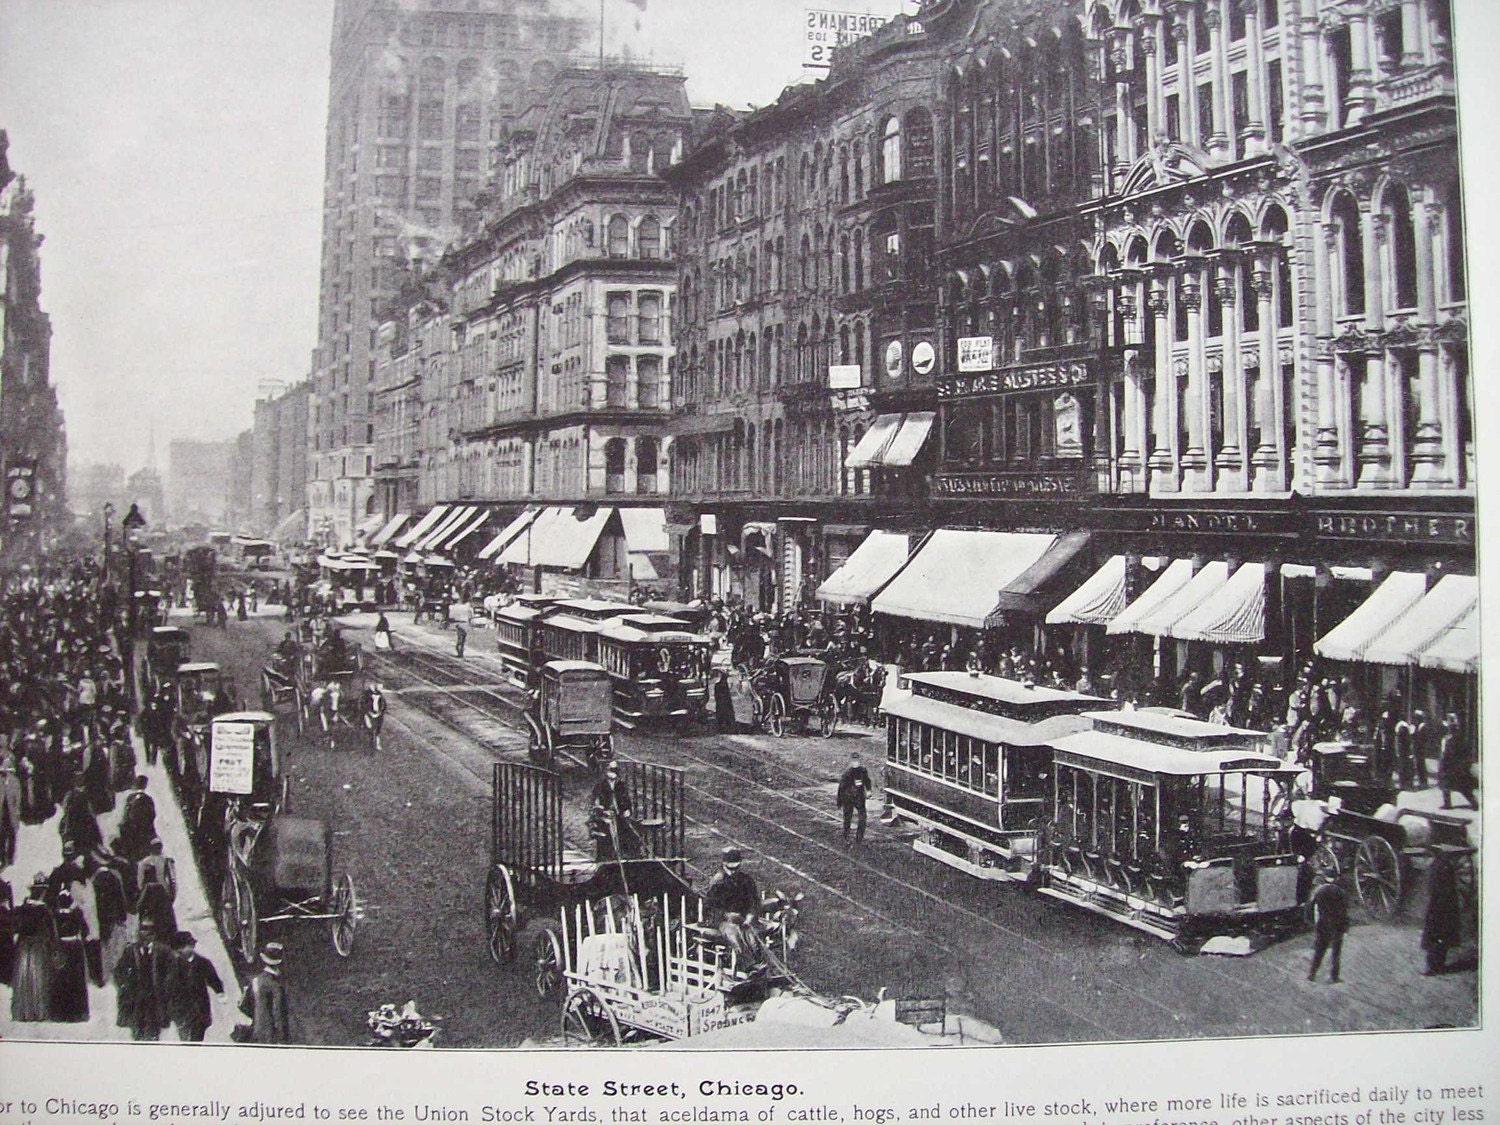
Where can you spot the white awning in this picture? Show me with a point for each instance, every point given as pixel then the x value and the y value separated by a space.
pixel 1188 597
pixel 1234 613
pixel 1098 601
pixel 1457 650
pixel 509 533
pixel 368 526
pixel 423 526
pixel 461 530
pixel 645 529
pixel 956 576
pixel 642 569
pixel 1425 623
pixel 381 537
pixel 444 527
pixel 871 565
pixel 909 439
pixel 1177 575
pixel 291 527
pixel 870 448
pixel 559 538
pixel 1348 640
pixel 478 522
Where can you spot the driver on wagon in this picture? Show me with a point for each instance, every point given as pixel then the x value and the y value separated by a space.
pixel 731 903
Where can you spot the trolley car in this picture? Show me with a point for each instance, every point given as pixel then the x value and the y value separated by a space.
pixel 659 667
pixel 969 763
pixel 569 629
pixel 515 632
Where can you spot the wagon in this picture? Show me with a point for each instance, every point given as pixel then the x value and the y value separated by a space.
pixel 536 871
pixel 342 704
pixel 280 678
pixel 792 689
pixel 197 688
pixel 277 867
pixel 1362 834
pixel 167 647
pixel 571 713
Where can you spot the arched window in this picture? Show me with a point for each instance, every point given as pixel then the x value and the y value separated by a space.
pixel 843 263
pixel 640 152
pixel 1348 254
pixel 648 237
pixel 859 261
pixel 614 465
pixel 804 260
pixel 919 151
pixel 890 151
pixel 1403 243
pixel 619 237
pixel 843 343
pixel 646 456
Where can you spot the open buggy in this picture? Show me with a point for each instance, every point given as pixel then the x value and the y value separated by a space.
pixel 571 713
pixel 280 678
pixel 794 689
pixel 537 868
pixel 277 867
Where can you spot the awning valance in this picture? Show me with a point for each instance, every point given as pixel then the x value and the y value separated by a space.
pixel 383 536
pixel 956 575
pixel 508 534
pixel 1097 601
pixel 422 527
pixel 909 439
pixel 1425 623
pixel 1022 595
pixel 869 449
pixel 559 538
pixel 871 565
pixel 645 529
pixel 1348 640
pixel 1158 622
pixel 1177 575
pixel 1457 650
pixel 1234 613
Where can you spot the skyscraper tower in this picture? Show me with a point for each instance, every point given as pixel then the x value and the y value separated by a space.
pixel 419 91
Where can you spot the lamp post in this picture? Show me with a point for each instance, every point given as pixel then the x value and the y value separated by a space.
pixel 130 527
pixel 109 515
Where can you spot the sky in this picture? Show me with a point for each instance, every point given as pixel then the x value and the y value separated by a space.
pixel 175 148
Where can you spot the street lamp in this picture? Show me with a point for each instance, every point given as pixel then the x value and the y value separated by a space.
pixel 109 515
pixel 130 527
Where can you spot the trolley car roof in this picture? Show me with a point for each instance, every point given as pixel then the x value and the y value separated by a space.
pixel 197 666
pixel 1100 751
pixel 245 717
pixel 983 725
pixel 561 666
pixel 622 630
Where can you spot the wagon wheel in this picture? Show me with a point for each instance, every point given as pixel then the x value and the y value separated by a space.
pixel 284 798
pixel 301 700
pixel 828 717
pixel 247 918
pixel 501 917
pixel 267 694
pixel 1466 886
pixel 345 908
pixel 1377 876
pixel 1326 867
pixel 776 716
pixel 534 743
pixel 586 1018
pixel 757 710
pixel 548 958
pixel 229 919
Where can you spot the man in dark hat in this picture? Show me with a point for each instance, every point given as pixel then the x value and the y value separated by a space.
pixel 731 903
pixel 1330 913
pixel 854 789
pixel 193 976
pixel 611 818
pixel 265 1001
pixel 142 980
pixel 137 823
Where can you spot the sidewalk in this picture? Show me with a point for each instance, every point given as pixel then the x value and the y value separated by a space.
pixel 39 849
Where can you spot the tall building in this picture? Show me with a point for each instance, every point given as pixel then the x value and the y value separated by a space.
pixel 198 481
pixel 419 92
pixel 33 444
pixel 278 470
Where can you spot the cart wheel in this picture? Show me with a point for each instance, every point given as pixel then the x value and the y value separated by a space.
pixel 828 718
pixel 301 713
pixel 1377 876
pixel 229 919
pixel 547 956
pixel 501 921
pixel 284 804
pixel 586 1018
pixel 534 743
pixel 757 711
pixel 247 918
pixel 1466 886
pixel 345 907
pixel 776 716
pixel 1326 867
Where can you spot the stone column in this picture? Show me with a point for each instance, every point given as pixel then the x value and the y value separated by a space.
pixel 1218 141
pixel 1229 461
pixel 1185 29
pixel 1163 460
pixel 1268 457
pixel 1312 114
pixel 1361 77
pixel 1414 51
pixel 1197 470
pixel 1374 456
pixel 1258 129
pixel 1426 453
pixel 1150 40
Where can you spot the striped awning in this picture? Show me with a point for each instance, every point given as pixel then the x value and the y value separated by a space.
pixel 423 526
pixel 509 533
pixel 1424 624
pixel 871 447
pixel 1159 622
pixel 1174 578
pixel 1457 650
pixel 1351 637
pixel 1234 613
pixel 444 527
pixel 1098 601
pixel 397 522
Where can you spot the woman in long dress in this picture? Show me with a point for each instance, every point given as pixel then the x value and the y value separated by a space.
pixel 70 984
pixel 36 945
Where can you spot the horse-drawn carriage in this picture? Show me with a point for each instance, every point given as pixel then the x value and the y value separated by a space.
pixel 199 689
pixel 571 712
pixel 277 868
pixel 341 703
pixel 794 689
pixel 858 690
pixel 535 871
pixel 167 647
pixel 280 679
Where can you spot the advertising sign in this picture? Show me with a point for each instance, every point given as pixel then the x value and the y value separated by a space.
pixel 824 29
pixel 845 377
pixel 1027 377
pixel 231 766
pixel 976 353
pixel 20 488
pixel 923 358
pixel 893 358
